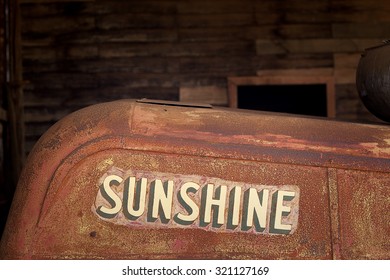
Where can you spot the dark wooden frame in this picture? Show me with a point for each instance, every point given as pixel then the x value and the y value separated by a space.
pixel 288 77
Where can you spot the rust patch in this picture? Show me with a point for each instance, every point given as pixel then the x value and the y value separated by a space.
pixel 364 222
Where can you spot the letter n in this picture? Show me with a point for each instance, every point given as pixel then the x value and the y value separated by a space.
pixel 255 209
pixel 160 201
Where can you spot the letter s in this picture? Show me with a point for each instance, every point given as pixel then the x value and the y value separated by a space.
pixel 110 196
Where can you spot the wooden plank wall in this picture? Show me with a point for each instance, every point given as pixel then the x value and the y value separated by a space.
pixel 80 52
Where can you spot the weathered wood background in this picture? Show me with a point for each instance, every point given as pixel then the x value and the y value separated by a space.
pixel 3 199
pixel 80 52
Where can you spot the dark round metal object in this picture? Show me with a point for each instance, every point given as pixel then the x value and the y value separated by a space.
pixel 373 80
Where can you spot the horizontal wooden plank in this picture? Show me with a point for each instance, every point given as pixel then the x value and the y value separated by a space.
pixel 208 95
pixel 123 35
pixel 85 98
pixel 293 61
pixel 361 30
pixel 109 65
pixel 222 33
pixel 44 55
pixel 298 72
pixel 39 53
pixel 53 1
pixel 178 50
pixel 348 105
pixel 215 20
pixel 105 94
pixel 143 80
pixel 347 60
pixel 269 18
pixel 156 7
pixel 31 40
pixel 346 91
pixel 46 114
pixel 103 36
pixel 36 9
pixel 54 100
pixel 302 31
pixel 326 45
pixel 264 31
pixel 163 81
pixel 201 80
pixel 359 5
pixel 217 65
pixel 287 31
pixel 77 52
pixel 266 47
pixel 134 20
pixel 267 31
pixel 158 80
pixel 341 75
pixel 345 76
pixel 56 25
pixel 338 16
pixel 291 6
pixel 345 67
pixel 50 99
pixel 33 67
pixel 232 65
pixel 215 7
pixel 62 80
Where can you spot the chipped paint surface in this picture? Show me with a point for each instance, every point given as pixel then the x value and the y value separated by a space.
pixel 341 171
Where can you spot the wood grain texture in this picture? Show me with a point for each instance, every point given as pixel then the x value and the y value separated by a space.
pixel 87 51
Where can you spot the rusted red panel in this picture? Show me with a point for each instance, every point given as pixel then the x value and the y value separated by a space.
pixel 364 223
pixel 244 184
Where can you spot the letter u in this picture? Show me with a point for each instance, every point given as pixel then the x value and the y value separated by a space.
pixel 134 197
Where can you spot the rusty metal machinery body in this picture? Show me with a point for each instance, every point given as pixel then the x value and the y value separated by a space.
pixel 134 180
pixel 373 80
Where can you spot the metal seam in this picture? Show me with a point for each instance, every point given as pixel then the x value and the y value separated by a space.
pixel 334 213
